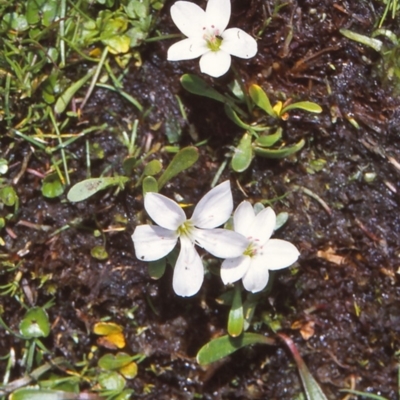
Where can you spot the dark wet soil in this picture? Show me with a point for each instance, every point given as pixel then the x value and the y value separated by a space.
pixel 344 218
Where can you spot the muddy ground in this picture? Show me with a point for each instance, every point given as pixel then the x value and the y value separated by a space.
pixel 344 291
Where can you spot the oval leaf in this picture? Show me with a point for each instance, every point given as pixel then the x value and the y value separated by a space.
pixel 156 268
pixel 52 186
pixel 110 362
pixel 243 154
pixel 88 187
pixel 107 328
pixel 112 381
pixel 280 153
pixel 225 345
pixel 152 168
pixel 35 323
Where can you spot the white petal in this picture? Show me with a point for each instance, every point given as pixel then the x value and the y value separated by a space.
pixel 215 63
pixel 187 49
pixel 256 277
pixel 279 253
pixel 164 211
pixel 243 218
pixel 189 18
pixel 214 208
pixel 189 271
pixel 153 242
pixel 238 43
pixel 233 269
pixel 221 242
pixel 218 14
pixel 262 227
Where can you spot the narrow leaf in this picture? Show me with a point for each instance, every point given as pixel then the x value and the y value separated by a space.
pixel 236 319
pixel 311 387
pixel 304 105
pixel 261 99
pixel 195 85
pixel 63 101
pixel 374 43
pixel 184 159
pixel 269 140
pixel 281 153
pixel 225 345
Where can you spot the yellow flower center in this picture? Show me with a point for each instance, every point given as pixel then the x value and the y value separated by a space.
pixel 213 39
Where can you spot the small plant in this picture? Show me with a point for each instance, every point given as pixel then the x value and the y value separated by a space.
pixel 262 137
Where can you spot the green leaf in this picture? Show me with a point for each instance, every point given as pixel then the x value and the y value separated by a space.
pixel 311 387
pixel 149 185
pixel 156 268
pixel 243 154
pixel 52 186
pixel 374 43
pixel 84 189
pixel 112 381
pixel 196 85
pixel 8 196
pixel 110 362
pixel 281 220
pixel 3 166
pixel 15 22
pixel 235 118
pixel 364 394
pixel 261 99
pixel 35 323
pixel 41 394
pixel 225 345
pixel 280 153
pixel 99 253
pixel 63 101
pixel 304 105
pixel 184 159
pixel 152 168
pixel 268 140
pixel 236 319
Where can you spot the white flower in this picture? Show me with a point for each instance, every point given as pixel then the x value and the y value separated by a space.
pixel 263 254
pixel 154 242
pixel 207 37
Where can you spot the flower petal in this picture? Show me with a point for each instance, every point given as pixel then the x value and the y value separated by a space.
pixel 189 271
pixel 233 269
pixel 153 242
pixel 221 242
pixel 279 253
pixel 164 211
pixel 238 43
pixel 189 18
pixel 187 49
pixel 243 218
pixel 256 277
pixel 218 13
pixel 262 227
pixel 214 208
pixel 215 63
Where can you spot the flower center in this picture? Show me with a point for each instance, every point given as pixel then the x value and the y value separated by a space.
pixel 213 38
pixel 186 229
pixel 251 250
